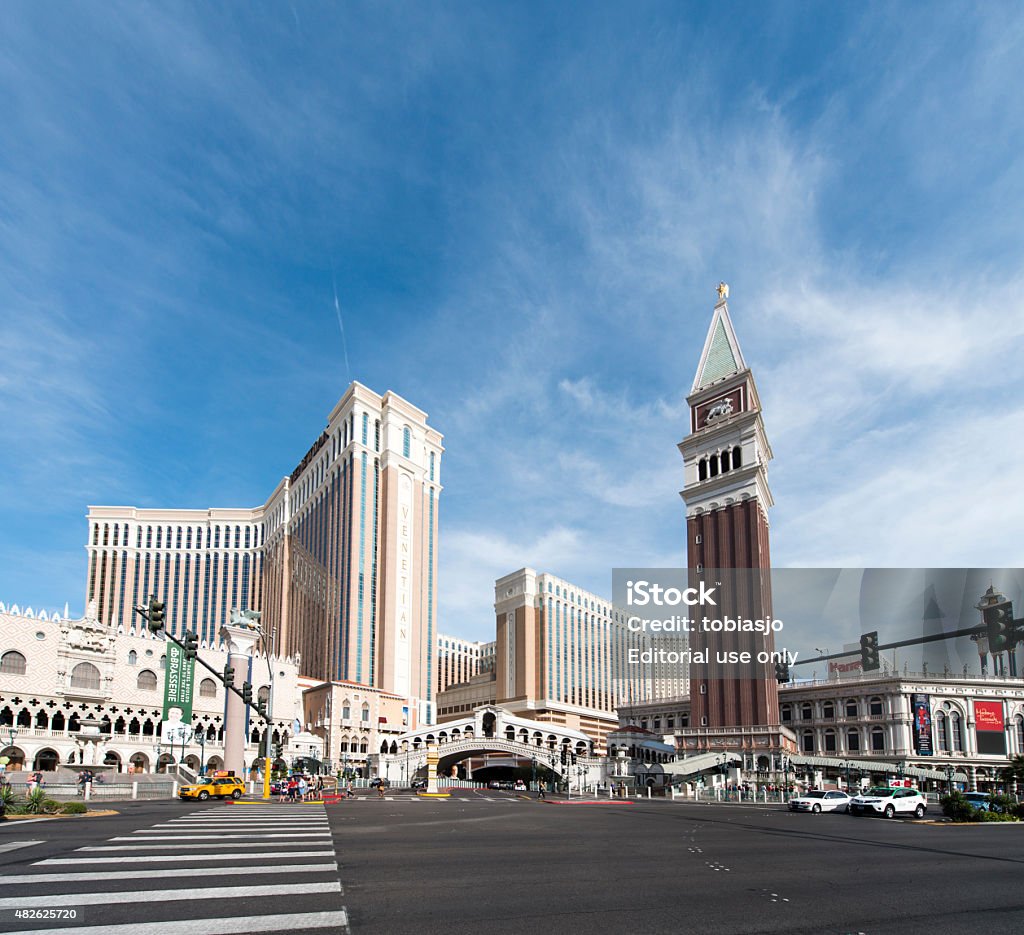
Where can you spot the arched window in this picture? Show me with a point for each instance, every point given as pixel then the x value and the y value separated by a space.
pixel 406 442
pixel 12 663
pixel 828 710
pixel 941 734
pixel 853 740
pixel 1018 727
pixel 737 457
pixel 806 711
pixel 955 733
pixel 808 742
pixel 207 688
pixel 877 740
pixel 346 710
pixel 830 741
pixel 42 720
pixel 725 459
pixel 366 713
pixel 85 675
pixel 57 721
pixel 875 706
pixel 146 680
pixel 263 694
pixel 713 465
pixel 787 713
pixel 133 658
pixel 851 708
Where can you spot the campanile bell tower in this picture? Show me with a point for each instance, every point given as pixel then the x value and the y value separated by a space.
pixel 726 457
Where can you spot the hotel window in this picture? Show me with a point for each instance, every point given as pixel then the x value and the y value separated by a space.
pixel 85 675
pixel 12 663
pixel 366 427
pixel 207 688
pixel 808 742
pixel 853 741
pixel 406 443
pixel 877 740
pixel 376 435
pixel 177 539
pixel 787 713
pixel 875 706
pixel 366 713
pixel 133 658
pixel 830 741
pixel 955 733
pixel 431 465
pixel 851 708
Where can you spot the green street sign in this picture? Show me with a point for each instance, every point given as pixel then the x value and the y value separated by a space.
pixel 178 684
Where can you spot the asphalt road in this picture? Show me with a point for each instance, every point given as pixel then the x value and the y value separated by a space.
pixel 502 863
pixel 173 869
pixel 472 866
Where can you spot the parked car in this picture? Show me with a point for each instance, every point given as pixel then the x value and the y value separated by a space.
pixel 882 800
pixel 419 784
pixel 820 800
pixel 983 800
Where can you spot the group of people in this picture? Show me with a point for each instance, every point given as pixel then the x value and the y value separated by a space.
pixel 301 788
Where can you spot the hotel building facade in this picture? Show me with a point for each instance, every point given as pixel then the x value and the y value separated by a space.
pixel 562 655
pixel 341 559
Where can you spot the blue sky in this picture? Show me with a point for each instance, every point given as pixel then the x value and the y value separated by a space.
pixel 524 210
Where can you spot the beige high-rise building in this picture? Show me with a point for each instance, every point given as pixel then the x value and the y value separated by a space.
pixel 341 559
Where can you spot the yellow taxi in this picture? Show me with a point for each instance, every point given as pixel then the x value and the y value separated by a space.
pixel 219 785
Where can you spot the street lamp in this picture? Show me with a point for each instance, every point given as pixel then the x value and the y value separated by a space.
pixel 848 765
pixel 950 773
pixel 201 735
pixel 158 750
pixel 533 763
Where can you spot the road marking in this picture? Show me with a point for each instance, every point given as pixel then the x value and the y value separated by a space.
pixel 160 896
pixel 324 851
pixel 90 875
pixel 239 925
pixel 16 845
pixel 177 847
pixel 218 836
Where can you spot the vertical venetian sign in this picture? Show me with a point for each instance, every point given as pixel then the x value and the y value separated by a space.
pixel 989 728
pixel 178 679
pixel 403 585
pixel 921 707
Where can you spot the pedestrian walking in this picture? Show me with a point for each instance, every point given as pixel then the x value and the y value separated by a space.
pixel 303 788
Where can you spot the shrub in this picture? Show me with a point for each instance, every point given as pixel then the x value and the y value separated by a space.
pixel 37 802
pixel 1006 804
pixel 74 808
pixel 956 807
pixel 985 814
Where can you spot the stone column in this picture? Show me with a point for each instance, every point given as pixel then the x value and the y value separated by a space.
pixel 240 637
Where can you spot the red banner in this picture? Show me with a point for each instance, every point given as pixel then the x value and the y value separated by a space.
pixel 988 715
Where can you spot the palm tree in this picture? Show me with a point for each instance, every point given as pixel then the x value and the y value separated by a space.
pixel 1014 773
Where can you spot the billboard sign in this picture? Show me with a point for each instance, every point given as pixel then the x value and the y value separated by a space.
pixel 179 677
pixel 921 706
pixel 989 728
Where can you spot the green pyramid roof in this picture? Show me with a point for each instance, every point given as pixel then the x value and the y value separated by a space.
pixel 720 360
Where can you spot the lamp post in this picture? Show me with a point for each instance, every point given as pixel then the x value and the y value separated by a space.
pixel 533 763
pixel 201 737
pixel 785 773
pixel 848 765
pixel 723 766
pixel 950 773
pixel 158 750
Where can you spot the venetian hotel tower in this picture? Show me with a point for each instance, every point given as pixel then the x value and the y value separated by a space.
pixel 341 559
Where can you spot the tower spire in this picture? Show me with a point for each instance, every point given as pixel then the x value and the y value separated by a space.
pixel 722 356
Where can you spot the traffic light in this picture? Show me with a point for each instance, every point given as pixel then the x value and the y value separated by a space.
pixel 261 708
pixel 156 615
pixel 999 623
pixel 247 692
pixel 229 676
pixel 573 756
pixel 191 644
pixel 565 756
pixel 277 751
pixel 781 672
pixel 869 652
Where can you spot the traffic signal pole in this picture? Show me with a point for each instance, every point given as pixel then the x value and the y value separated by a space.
pixel 918 641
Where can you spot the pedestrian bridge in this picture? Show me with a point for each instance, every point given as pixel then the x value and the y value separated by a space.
pixel 490 729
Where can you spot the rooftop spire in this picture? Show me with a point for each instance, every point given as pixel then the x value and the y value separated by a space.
pixel 722 356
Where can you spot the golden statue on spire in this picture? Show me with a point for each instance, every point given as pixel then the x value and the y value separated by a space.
pixel 723 291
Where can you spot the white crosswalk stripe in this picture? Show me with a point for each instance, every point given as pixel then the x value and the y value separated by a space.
pixel 194 875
